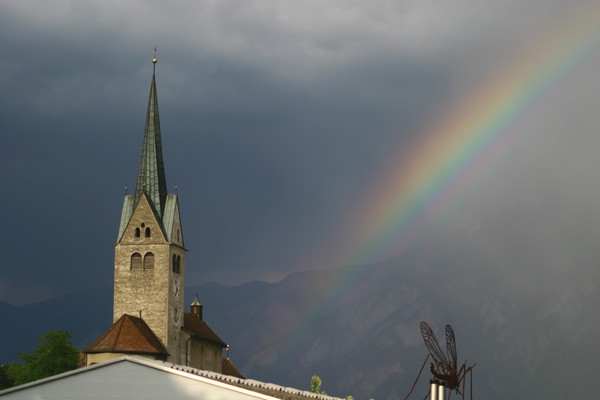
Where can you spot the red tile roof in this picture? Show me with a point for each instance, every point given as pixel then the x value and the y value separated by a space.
pixel 230 369
pixel 196 327
pixel 130 335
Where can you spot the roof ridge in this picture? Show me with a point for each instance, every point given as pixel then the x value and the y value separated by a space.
pixel 247 383
pixel 189 320
pixel 119 327
pixel 145 330
pixel 129 334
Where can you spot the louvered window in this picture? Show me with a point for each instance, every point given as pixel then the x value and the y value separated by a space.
pixel 136 261
pixel 149 261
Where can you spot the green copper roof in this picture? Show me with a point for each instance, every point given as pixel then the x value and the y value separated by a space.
pixel 151 176
pixel 125 215
pixel 196 301
pixel 169 215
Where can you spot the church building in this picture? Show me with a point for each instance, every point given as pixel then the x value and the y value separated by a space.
pixel 149 273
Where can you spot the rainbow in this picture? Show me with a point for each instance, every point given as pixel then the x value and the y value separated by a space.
pixel 452 153
pixel 456 148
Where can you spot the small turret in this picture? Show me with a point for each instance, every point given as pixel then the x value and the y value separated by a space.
pixel 196 308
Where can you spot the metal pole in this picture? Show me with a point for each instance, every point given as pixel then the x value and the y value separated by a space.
pixel 441 392
pixel 433 390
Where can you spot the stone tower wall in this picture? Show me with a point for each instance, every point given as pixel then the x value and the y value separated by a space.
pixel 157 292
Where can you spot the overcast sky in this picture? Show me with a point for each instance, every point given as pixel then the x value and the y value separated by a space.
pixel 279 119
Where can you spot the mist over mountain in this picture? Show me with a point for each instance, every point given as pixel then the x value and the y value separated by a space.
pixel 358 327
pixel 365 339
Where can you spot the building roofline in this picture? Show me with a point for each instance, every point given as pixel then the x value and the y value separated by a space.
pixel 244 386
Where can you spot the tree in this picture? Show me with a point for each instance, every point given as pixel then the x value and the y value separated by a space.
pixel 55 354
pixel 7 378
pixel 315 385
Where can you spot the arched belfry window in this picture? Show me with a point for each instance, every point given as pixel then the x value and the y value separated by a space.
pixel 147 232
pixel 137 232
pixel 176 264
pixel 136 261
pixel 149 261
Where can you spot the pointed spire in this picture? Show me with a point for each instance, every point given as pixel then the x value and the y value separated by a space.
pixel 151 176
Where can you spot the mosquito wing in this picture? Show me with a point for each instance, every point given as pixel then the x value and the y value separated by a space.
pixel 433 346
pixel 451 346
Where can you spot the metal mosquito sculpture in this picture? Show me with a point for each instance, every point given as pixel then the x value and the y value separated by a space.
pixel 445 366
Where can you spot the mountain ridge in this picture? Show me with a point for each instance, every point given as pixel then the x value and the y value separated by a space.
pixel 357 327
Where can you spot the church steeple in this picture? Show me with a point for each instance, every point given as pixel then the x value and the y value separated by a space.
pixel 151 176
pixel 149 270
pixel 149 253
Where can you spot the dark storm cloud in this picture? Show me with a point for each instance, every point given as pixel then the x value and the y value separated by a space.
pixel 275 115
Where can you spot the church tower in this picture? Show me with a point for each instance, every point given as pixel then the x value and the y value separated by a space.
pixel 150 253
